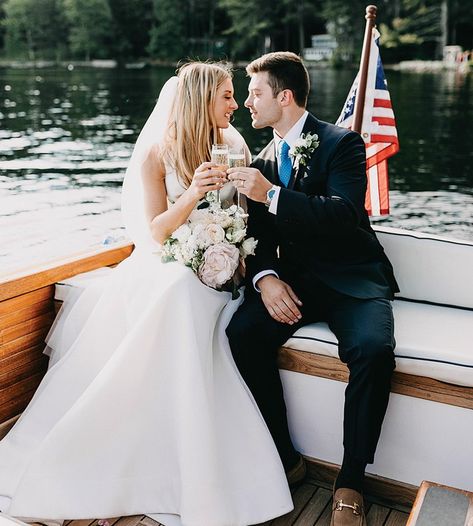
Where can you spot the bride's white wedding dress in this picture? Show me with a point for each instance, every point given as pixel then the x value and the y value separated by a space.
pixel 143 410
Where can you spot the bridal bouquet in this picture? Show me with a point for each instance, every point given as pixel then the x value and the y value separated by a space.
pixel 213 243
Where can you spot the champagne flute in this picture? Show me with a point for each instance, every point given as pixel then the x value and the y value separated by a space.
pixel 219 156
pixel 236 158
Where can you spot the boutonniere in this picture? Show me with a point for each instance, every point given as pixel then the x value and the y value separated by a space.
pixel 303 148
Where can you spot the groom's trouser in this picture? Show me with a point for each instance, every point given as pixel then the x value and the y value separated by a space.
pixel 365 332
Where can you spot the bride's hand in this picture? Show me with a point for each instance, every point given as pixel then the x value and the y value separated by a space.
pixel 206 178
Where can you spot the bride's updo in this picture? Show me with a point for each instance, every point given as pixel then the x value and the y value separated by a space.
pixel 192 126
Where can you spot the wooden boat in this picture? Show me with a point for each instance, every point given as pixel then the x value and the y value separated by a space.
pixel 428 427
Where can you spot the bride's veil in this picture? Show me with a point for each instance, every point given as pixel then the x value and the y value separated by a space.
pixel 153 132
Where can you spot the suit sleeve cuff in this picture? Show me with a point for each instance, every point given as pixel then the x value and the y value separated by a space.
pixel 262 274
pixel 273 207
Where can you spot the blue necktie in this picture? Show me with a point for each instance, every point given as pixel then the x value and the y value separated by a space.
pixel 285 164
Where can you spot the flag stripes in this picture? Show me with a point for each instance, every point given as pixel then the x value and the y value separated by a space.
pixel 378 130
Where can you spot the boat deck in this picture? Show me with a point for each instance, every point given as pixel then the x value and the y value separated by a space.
pixel 312 507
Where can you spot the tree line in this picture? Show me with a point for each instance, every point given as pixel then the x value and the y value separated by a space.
pixel 169 30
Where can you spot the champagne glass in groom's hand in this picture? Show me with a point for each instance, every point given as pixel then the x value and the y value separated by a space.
pixel 236 158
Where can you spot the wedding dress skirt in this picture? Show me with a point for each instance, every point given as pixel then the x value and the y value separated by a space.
pixel 143 411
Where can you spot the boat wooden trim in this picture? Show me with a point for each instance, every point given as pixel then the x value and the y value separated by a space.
pixel 402 383
pixel 14 285
pixel 27 310
pixel 419 502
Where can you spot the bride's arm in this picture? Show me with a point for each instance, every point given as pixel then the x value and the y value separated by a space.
pixel 164 221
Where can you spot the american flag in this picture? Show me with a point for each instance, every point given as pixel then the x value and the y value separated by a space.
pixel 378 130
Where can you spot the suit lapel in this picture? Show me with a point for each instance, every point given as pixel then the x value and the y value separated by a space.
pixel 310 126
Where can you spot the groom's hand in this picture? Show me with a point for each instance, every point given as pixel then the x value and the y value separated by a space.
pixel 279 299
pixel 250 182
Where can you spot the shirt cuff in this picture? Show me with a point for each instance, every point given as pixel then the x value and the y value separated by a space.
pixel 262 274
pixel 273 207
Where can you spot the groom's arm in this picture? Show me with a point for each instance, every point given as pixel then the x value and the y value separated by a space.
pixel 278 297
pixel 261 227
pixel 343 206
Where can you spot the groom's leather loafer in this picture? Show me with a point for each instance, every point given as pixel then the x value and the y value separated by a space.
pixel 298 473
pixel 348 508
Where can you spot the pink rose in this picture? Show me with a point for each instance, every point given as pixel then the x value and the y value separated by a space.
pixel 220 263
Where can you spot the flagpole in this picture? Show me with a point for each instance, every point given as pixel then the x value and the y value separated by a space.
pixel 365 58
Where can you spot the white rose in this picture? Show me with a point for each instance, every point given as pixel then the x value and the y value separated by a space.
pixel 201 216
pixel 235 235
pixel 220 263
pixel 207 235
pixel 222 218
pixel 198 231
pixel 178 254
pixel 248 247
pixel 182 233
pixel 239 223
pixel 192 242
pixel 215 233
pixel 188 251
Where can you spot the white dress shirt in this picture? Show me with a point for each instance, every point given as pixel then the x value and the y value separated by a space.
pixel 291 136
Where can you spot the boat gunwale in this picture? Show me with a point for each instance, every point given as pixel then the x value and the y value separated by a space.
pixel 33 278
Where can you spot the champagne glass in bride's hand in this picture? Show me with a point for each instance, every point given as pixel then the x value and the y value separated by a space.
pixel 219 156
pixel 236 158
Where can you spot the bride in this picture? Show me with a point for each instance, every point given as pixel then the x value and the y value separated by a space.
pixel 142 410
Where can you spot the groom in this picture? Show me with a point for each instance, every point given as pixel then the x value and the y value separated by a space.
pixel 317 259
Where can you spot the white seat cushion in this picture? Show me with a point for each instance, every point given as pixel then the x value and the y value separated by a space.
pixel 430 268
pixel 431 341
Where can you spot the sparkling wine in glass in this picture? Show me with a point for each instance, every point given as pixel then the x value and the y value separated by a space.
pixel 219 156
pixel 236 158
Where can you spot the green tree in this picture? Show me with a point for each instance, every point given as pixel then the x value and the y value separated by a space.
pixel 418 22
pixel 35 27
pixel 206 25
pixel 459 26
pixel 301 19
pixel 132 22
pixel 91 33
pixel 256 25
pixel 345 22
pixel 168 37
pixel 2 24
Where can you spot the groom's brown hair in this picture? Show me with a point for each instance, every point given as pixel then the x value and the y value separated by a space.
pixel 285 71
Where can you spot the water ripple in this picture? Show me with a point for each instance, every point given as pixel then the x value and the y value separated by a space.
pixel 66 137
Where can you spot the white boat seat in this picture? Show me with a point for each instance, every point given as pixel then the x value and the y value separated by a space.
pixel 433 314
pixel 431 341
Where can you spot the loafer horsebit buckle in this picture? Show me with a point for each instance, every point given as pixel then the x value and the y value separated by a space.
pixel 339 505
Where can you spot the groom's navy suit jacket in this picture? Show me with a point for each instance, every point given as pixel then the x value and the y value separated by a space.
pixel 321 229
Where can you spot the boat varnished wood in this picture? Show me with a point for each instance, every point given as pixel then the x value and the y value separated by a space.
pixel 405 384
pixel 441 502
pixel 14 304
pixel 27 310
pixel 26 281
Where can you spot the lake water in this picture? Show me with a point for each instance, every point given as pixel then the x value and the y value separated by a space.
pixel 66 136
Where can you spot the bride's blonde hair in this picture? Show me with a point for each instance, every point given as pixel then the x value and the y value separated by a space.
pixel 192 127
